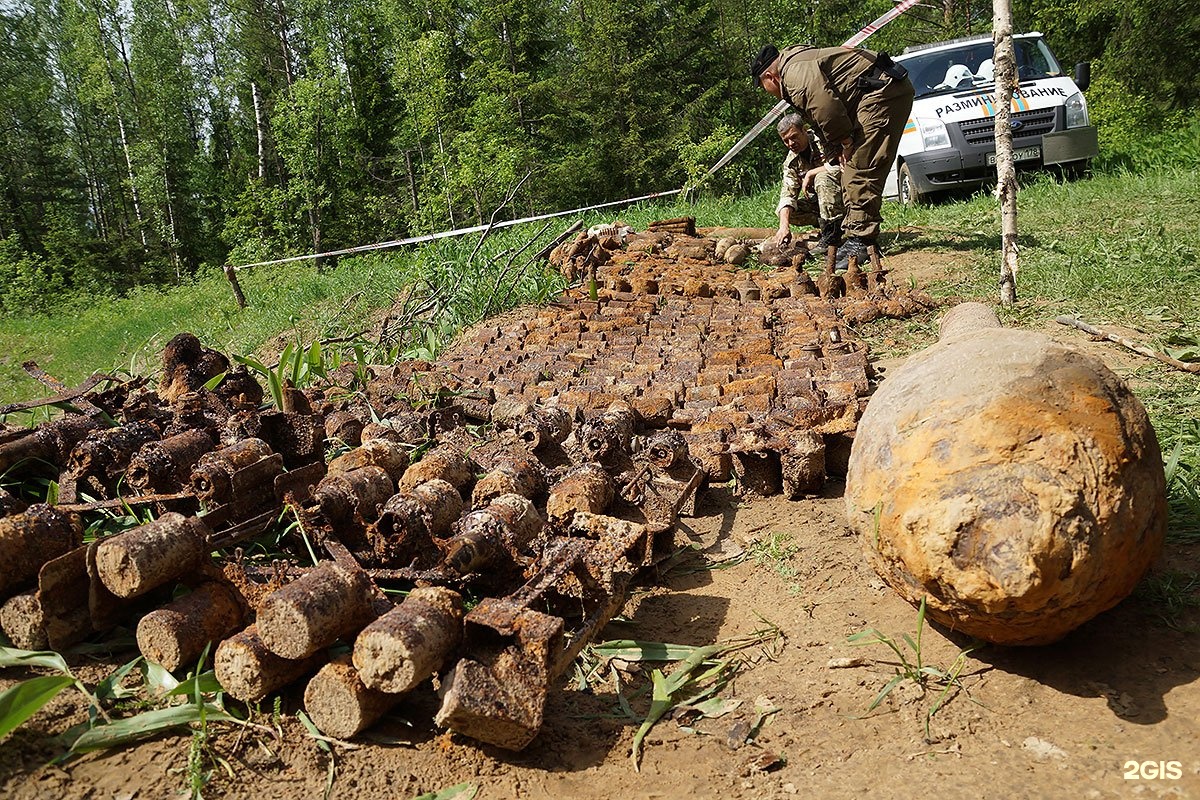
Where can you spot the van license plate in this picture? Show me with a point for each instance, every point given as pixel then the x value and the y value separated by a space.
pixel 1024 154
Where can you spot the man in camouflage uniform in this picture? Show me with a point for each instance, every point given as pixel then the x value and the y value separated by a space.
pixel 804 173
pixel 859 102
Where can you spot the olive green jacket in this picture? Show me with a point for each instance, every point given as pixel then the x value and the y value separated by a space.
pixel 823 84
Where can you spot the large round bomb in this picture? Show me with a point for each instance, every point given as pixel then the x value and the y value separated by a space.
pixel 1015 483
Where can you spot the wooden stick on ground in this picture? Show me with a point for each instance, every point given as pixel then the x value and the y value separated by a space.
pixel 1134 346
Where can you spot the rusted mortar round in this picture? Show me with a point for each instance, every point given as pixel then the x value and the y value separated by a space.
pixel 340 704
pixel 315 610
pixel 175 635
pixel 23 622
pixel 248 671
pixel 29 540
pixel 1014 482
pixel 148 556
pixel 411 642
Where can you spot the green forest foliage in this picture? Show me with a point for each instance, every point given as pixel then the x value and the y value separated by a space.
pixel 141 140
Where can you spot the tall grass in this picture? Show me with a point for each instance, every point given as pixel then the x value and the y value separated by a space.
pixel 286 302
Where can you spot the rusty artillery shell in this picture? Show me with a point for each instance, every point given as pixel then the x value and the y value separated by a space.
pixel 65 594
pixel 315 610
pixel 99 461
pixel 520 518
pixel 389 456
pixel 803 285
pixel 175 635
pixel 10 503
pixel 666 448
pixel 29 540
pixel 402 515
pixel 502 531
pixel 401 534
pixel 363 490
pixel 340 705
pixel 239 390
pixel 407 428
pixel 508 410
pixel 345 427
pixel 586 488
pixel 876 280
pixel 523 476
pixel 803 464
pixel 748 292
pixel 23 623
pixel 855 279
pixel 543 425
pixel 830 286
pixel 52 441
pixel 163 466
pixel 442 503
pixel 478 543
pixel 411 642
pixel 440 463
pixel 150 555
pixel 608 434
pixel 212 477
pixel 110 449
pixel 249 671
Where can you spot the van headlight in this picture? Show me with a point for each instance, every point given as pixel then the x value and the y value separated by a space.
pixel 934 135
pixel 1076 106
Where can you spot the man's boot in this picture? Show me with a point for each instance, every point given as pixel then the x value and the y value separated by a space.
pixel 830 239
pixel 831 232
pixel 858 250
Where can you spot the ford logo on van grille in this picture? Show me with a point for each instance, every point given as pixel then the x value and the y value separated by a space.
pixel 1016 124
pixel 982 131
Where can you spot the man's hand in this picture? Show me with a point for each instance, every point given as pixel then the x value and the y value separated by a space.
pixel 782 236
pixel 848 149
pixel 807 185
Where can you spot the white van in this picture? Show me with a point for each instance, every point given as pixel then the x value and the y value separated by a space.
pixel 949 141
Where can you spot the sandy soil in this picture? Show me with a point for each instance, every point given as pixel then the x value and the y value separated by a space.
pixel 1076 719
pixel 1056 721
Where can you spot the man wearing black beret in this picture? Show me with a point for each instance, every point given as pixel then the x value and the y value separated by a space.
pixel 859 101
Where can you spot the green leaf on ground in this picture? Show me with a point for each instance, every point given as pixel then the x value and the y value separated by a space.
pixel 20 702
pixel 146 724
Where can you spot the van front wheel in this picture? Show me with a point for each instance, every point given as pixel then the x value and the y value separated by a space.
pixel 910 195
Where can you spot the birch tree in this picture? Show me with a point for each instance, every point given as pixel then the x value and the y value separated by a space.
pixel 1006 174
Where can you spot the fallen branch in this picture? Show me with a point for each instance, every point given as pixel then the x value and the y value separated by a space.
pixel 61 397
pixel 508 266
pixel 545 252
pixel 50 382
pixel 492 222
pixel 1128 343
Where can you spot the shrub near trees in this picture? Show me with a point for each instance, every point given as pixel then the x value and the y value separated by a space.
pixel 143 139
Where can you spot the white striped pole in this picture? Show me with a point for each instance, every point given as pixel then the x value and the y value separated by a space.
pixel 429 237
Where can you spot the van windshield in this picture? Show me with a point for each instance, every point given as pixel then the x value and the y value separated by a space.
pixel 970 66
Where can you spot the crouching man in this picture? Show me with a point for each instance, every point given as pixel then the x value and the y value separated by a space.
pixel 805 173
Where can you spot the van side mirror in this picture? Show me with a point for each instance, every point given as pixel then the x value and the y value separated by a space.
pixel 1083 75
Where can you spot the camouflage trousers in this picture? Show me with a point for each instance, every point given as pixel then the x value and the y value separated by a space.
pixel 828 201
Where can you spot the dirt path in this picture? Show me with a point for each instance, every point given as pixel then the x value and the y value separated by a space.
pixel 1055 721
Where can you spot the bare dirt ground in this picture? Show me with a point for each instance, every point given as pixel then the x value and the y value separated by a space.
pixel 1075 719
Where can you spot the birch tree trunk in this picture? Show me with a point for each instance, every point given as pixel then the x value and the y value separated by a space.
pixel 112 85
pixel 1006 174
pixel 259 130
